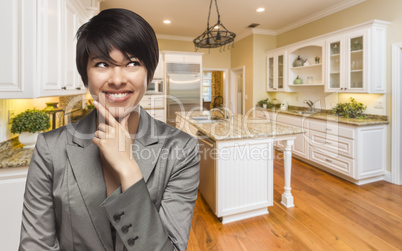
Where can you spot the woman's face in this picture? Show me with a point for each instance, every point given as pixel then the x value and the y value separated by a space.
pixel 119 86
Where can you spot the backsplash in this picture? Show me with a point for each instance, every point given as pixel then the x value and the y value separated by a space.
pixel 376 103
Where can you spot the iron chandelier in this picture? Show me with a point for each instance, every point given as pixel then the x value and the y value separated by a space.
pixel 215 36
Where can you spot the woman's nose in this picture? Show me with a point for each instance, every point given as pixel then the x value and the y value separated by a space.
pixel 117 76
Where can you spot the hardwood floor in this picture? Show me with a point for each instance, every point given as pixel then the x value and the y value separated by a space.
pixel 330 214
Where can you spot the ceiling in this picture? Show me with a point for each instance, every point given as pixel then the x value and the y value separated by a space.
pixel 189 17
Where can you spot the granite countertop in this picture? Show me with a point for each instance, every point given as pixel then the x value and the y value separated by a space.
pixel 329 116
pixel 242 127
pixel 12 154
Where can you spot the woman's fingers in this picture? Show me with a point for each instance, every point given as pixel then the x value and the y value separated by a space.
pixel 105 113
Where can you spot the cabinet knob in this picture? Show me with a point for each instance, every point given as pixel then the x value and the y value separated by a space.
pixel 78 88
pixel 64 88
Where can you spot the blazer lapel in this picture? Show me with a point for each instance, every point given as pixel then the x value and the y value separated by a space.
pixel 85 162
pixel 148 144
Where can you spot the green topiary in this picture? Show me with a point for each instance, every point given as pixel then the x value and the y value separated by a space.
pixel 30 121
pixel 350 110
pixel 264 101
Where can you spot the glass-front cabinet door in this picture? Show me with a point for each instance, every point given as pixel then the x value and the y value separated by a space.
pixel 276 76
pixel 357 62
pixel 270 72
pixel 334 65
pixel 280 72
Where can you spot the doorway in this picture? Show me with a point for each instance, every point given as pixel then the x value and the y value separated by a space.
pixel 215 87
pixel 237 90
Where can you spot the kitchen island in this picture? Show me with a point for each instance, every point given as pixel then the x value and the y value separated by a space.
pixel 236 173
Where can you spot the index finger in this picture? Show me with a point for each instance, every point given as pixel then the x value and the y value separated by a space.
pixel 105 113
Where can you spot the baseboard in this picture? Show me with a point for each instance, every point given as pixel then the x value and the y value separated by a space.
pixel 388 176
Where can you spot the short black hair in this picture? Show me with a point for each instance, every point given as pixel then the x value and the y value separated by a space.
pixel 119 29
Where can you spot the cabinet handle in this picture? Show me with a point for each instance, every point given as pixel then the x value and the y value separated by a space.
pixel 64 88
pixel 78 88
pixel 330 161
pixel 328 143
pixel 328 129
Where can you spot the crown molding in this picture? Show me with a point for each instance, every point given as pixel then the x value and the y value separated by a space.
pixel 172 37
pixel 336 8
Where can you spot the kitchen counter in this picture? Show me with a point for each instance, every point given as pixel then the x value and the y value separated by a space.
pixel 236 174
pixel 12 154
pixel 241 127
pixel 329 116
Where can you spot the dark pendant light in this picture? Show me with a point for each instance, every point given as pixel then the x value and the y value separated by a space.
pixel 215 36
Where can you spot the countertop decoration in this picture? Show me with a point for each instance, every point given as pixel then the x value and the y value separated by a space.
pixel 350 110
pixel 265 103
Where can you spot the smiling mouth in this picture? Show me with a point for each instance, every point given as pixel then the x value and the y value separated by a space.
pixel 117 96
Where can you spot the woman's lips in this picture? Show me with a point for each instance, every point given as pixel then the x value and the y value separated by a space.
pixel 117 96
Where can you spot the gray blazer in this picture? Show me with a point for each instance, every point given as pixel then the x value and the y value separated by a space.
pixel 65 204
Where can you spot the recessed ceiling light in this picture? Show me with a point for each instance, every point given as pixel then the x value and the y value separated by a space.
pixel 260 9
pixel 166 21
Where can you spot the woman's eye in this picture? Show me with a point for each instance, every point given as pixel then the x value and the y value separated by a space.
pixel 134 63
pixel 101 65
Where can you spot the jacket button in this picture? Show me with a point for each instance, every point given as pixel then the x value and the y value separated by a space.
pixel 125 228
pixel 117 216
pixel 131 241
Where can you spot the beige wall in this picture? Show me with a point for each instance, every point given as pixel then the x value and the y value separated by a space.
pixel 242 55
pixel 261 44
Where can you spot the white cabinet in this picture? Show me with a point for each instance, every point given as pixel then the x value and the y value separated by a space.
pixel 42 44
pixel 276 71
pixel 312 71
pixel 17 48
pixel 357 60
pixel 12 187
pixel 182 57
pixel 355 153
pixel 154 104
pixel 300 146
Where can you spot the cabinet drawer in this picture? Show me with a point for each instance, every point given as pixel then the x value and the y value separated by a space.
pixel 332 128
pixel 332 143
pixel 338 163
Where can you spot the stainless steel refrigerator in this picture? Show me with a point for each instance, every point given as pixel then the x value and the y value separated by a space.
pixel 183 89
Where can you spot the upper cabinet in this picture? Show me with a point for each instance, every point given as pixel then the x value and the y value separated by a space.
pixel 349 60
pixel 158 74
pixel 357 60
pixel 276 72
pixel 40 47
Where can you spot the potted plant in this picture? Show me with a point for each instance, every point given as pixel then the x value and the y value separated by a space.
pixel 263 103
pixel 28 125
pixel 350 110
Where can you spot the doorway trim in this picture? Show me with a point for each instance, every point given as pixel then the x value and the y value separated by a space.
pixel 233 73
pixel 396 114
pixel 225 83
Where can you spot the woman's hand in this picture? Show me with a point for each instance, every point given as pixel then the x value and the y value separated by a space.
pixel 114 142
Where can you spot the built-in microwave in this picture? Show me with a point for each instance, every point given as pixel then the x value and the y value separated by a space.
pixel 155 86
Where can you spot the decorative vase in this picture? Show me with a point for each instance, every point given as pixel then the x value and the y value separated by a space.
pixel 298 81
pixel 28 139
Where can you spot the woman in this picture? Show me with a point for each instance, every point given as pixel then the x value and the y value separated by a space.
pixel 117 179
